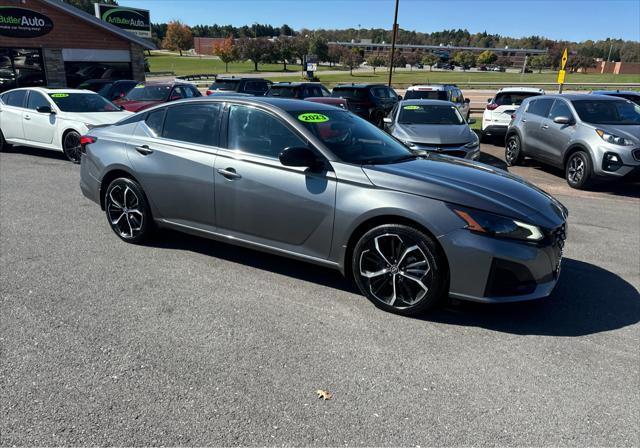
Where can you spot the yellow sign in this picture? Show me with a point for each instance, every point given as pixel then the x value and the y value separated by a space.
pixel 561 74
pixel 565 56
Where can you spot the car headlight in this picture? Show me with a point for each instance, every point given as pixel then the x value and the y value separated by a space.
pixel 473 143
pixel 611 138
pixel 499 226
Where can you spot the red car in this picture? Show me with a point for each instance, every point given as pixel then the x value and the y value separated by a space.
pixel 148 94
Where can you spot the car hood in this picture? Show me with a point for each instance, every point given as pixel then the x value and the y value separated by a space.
pixel 629 131
pixel 135 106
pixel 97 118
pixel 434 134
pixel 470 184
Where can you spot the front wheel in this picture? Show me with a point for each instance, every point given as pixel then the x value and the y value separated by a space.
pixel 4 146
pixel 578 171
pixel 513 151
pixel 71 146
pixel 127 210
pixel 399 269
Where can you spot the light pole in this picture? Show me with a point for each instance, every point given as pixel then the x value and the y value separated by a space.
pixel 393 41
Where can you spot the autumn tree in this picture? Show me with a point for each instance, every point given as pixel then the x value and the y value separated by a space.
pixel 430 59
pixel 464 59
pixel 504 61
pixel 256 50
pixel 178 37
pixel 375 60
pixel 333 54
pixel 352 59
pixel 226 51
pixel 413 58
pixel 487 57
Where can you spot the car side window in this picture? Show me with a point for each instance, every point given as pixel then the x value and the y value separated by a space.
pixel 195 92
pixel 379 92
pixel 193 123
pixel 257 132
pixel 36 99
pixel 16 99
pixel 560 109
pixel 540 107
pixel 177 94
pixel 155 120
pixel 256 87
pixel 455 98
pixel 392 93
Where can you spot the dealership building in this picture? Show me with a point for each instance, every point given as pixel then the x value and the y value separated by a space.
pixel 49 42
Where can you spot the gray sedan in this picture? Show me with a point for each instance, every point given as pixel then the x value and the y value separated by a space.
pixel 319 184
pixel 433 126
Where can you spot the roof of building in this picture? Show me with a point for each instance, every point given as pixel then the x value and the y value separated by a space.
pixel 144 43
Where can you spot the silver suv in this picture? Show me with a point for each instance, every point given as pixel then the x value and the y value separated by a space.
pixel 589 136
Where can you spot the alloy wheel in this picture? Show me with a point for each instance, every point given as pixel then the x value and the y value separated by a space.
pixel 71 146
pixel 576 169
pixel 125 212
pixel 395 270
pixel 512 150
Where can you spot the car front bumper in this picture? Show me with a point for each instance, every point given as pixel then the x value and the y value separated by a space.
pixel 493 270
pixel 627 167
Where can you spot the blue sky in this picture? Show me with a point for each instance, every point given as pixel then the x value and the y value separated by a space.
pixel 557 19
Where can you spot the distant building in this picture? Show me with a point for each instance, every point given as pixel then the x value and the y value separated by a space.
pixel 516 55
pixel 204 45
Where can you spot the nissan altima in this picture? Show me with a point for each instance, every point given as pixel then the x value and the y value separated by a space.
pixel 319 184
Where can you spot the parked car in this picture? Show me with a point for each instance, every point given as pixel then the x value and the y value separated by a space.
pixel 370 101
pixel 589 136
pixel 298 90
pixel 342 103
pixel 444 66
pixel 630 95
pixel 147 94
pixel 319 184
pixel 444 92
pixel 497 115
pixel 499 69
pixel 110 89
pixel 433 126
pixel 53 118
pixel 251 86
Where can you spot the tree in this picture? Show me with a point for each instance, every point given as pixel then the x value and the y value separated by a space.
pixel 334 53
pixel 226 51
pixel 430 59
pixel 351 58
pixel 540 61
pixel 87 5
pixel 504 61
pixel 464 59
pixel 284 51
pixel 487 57
pixel 178 37
pixel 375 60
pixel 300 48
pixel 413 58
pixel 319 47
pixel 256 50
pixel 576 62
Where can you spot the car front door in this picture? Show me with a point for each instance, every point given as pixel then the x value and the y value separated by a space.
pixel 12 110
pixel 38 126
pixel 173 152
pixel 260 200
pixel 555 137
pixel 533 118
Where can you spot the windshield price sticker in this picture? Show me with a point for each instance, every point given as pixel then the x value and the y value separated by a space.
pixel 313 118
pixel 59 95
pixel 139 86
pixel 412 107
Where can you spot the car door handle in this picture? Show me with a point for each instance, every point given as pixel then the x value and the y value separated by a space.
pixel 524 121
pixel 144 150
pixel 546 126
pixel 27 117
pixel 229 173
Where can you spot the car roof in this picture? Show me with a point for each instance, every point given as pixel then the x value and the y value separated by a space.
pixel 238 78
pixel 425 102
pixel 431 86
pixel 285 104
pixel 615 92
pixel 294 84
pixel 47 91
pixel 166 83
pixel 578 96
pixel 362 85
pixel 521 89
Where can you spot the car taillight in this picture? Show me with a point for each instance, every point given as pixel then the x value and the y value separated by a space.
pixel 513 116
pixel 86 140
pixel 209 92
pixel 492 106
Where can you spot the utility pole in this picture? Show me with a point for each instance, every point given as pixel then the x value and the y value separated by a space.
pixel 393 41
pixel 610 50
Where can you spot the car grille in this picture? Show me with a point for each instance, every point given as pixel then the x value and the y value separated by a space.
pixel 455 153
pixel 636 154
pixel 559 236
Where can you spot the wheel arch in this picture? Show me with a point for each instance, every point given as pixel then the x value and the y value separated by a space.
pixel 573 148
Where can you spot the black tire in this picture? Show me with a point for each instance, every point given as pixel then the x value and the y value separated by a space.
pixel 513 154
pixel 71 146
pixel 127 210
pixel 401 273
pixel 578 170
pixel 4 146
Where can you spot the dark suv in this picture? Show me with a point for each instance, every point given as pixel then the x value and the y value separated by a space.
pixel 108 88
pixel 370 101
pixel 251 86
pixel 298 90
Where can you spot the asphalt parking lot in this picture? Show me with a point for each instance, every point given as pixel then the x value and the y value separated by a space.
pixel 188 341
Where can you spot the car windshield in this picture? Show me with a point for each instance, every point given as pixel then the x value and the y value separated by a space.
pixel 149 93
pixel 353 139
pixel 224 85
pixel 430 114
pixel 82 102
pixel 282 91
pixel 425 95
pixel 512 98
pixel 101 88
pixel 350 93
pixel 616 112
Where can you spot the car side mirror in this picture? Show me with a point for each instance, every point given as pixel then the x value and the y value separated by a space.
pixel 471 120
pixel 399 97
pixel 387 120
pixel 45 110
pixel 299 156
pixel 489 100
pixel 467 100
pixel 562 120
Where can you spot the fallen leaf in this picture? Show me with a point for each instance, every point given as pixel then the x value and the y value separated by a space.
pixel 324 394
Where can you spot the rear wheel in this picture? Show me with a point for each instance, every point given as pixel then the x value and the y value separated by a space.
pixel 513 151
pixel 4 146
pixel 127 210
pixel 71 146
pixel 578 170
pixel 399 269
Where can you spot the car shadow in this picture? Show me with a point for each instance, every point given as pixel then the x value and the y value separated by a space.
pixel 38 152
pixel 587 299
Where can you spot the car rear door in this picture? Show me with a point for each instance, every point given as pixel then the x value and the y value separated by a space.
pixel 38 127
pixel 260 200
pixel 12 111
pixel 555 137
pixel 173 152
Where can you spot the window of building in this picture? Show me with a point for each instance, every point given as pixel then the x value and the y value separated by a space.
pixel 79 72
pixel 21 67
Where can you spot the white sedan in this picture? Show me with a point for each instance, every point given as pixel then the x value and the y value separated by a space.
pixel 53 118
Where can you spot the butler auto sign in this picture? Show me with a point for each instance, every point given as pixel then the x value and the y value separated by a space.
pixel 20 22
pixel 135 21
